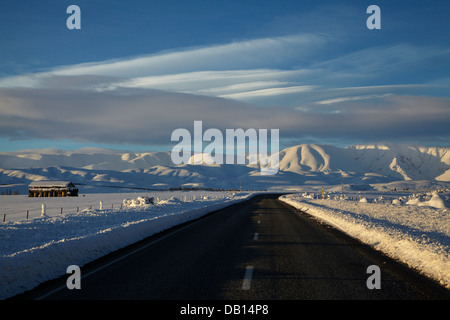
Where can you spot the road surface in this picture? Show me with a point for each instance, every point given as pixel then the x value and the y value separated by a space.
pixel 261 249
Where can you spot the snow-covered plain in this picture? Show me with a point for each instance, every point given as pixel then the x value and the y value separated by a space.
pixel 41 248
pixel 413 228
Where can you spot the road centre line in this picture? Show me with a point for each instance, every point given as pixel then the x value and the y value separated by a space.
pixel 247 278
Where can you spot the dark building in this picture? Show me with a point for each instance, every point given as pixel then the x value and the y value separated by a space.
pixel 52 189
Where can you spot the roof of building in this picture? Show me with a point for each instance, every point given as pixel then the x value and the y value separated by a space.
pixel 49 183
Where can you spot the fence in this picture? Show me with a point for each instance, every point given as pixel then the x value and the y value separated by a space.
pixel 38 209
pixel 44 210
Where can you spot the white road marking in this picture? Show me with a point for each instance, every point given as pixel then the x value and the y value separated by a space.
pixel 247 278
pixel 256 236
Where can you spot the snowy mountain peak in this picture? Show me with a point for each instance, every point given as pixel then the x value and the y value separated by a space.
pixel 299 165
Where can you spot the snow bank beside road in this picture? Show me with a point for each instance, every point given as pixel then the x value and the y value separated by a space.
pixel 37 250
pixel 416 235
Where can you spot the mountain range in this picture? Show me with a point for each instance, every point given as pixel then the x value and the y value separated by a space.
pixel 96 170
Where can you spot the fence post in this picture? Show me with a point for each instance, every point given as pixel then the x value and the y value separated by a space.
pixel 43 210
pixel 101 205
pixel 28 211
pixel 4 217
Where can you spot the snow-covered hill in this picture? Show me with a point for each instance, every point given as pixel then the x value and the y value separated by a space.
pixel 305 164
pixel 410 162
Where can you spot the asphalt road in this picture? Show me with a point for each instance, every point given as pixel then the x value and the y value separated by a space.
pixel 258 249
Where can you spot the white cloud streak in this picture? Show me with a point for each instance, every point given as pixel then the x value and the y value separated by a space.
pixel 353 98
pixel 248 70
pixel 233 56
pixel 268 92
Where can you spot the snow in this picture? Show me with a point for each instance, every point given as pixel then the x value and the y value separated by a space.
pixel 435 201
pixel 39 249
pixel 139 202
pixel 412 231
pixel 306 164
pixel 410 227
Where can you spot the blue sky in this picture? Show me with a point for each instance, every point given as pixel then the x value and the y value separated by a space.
pixel 137 70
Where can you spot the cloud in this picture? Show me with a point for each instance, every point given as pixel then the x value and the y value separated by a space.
pixel 122 116
pixel 272 52
pixel 237 70
pixel 391 117
pixel 269 92
pixel 353 98
pixel 211 82
pixel 284 83
pixel 285 70
pixel 148 117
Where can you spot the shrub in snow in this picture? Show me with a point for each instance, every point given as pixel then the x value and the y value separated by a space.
pixel 396 202
pixel 307 195
pixel 413 201
pixel 363 200
pixel 172 200
pixel 138 202
pixel 435 201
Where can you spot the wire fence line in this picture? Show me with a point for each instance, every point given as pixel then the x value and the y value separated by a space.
pixel 45 210
pixel 41 208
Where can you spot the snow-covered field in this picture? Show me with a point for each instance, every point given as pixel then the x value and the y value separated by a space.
pixel 41 248
pixel 15 207
pixel 414 228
